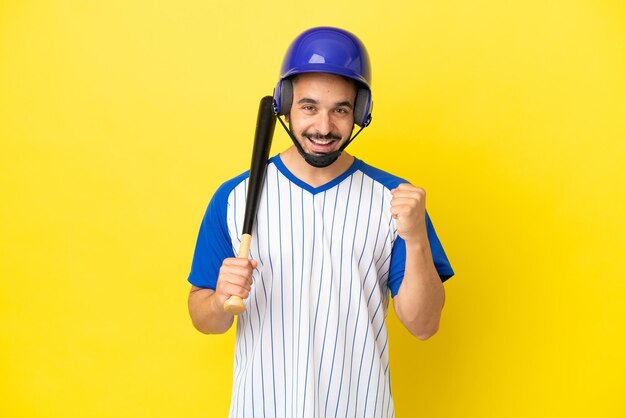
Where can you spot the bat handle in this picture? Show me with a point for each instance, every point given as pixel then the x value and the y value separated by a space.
pixel 234 304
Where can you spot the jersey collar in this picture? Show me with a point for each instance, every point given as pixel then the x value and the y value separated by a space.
pixel 356 164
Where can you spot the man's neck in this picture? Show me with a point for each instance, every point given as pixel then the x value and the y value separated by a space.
pixel 314 176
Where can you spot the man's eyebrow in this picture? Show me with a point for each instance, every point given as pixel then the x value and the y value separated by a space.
pixel 345 103
pixel 307 100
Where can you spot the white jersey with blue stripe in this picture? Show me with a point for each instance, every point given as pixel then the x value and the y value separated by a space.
pixel 313 340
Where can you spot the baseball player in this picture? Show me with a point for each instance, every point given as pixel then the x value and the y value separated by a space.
pixel 333 238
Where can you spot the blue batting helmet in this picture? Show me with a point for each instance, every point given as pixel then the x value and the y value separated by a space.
pixel 327 50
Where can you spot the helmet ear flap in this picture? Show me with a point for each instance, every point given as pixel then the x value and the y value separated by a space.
pixel 363 107
pixel 283 97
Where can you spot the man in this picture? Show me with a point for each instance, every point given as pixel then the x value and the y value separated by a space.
pixel 333 237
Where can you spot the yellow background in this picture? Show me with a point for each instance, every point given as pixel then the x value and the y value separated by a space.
pixel 118 120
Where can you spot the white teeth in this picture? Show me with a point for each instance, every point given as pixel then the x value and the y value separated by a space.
pixel 319 142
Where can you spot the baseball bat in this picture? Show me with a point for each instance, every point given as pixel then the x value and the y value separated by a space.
pixel 266 121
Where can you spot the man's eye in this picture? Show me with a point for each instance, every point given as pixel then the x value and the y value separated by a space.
pixel 308 108
pixel 341 110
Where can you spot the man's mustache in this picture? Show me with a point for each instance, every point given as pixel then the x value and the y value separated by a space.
pixel 317 135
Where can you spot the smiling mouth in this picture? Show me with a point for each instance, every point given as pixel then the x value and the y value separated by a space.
pixel 321 141
pixel 321 146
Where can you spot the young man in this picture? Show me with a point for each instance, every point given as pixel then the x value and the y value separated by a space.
pixel 333 237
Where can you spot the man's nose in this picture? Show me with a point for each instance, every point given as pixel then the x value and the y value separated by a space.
pixel 324 123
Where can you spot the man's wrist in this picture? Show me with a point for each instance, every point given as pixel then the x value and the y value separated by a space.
pixel 418 243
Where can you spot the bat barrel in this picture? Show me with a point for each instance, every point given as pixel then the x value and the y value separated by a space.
pixel 266 122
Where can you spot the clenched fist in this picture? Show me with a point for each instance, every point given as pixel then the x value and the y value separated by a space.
pixel 408 208
pixel 235 278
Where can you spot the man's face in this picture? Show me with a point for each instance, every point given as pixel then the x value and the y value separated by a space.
pixel 322 115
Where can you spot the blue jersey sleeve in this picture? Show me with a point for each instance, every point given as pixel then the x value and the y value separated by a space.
pixel 398 259
pixel 213 244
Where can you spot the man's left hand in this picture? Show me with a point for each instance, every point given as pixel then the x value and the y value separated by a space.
pixel 408 208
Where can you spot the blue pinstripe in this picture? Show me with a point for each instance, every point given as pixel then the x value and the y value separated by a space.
pixel 292 292
pixel 282 296
pixel 330 294
pixel 297 381
pixel 306 375
pixel 332 367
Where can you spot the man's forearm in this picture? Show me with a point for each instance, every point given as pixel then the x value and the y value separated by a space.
pixel 206 313
pixel 420 298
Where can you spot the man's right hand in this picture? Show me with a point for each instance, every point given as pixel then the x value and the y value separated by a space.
pixel 235 278
pixel 206 306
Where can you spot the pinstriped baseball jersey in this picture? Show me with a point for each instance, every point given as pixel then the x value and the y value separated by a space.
pixel 313 340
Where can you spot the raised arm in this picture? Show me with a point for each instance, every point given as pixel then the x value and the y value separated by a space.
pixel 421 296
